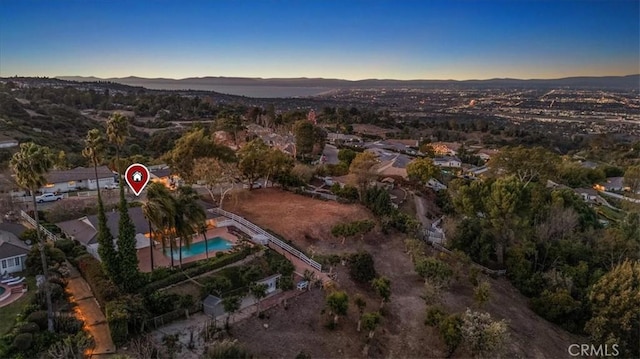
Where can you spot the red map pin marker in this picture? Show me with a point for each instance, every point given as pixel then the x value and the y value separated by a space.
pixel 137 177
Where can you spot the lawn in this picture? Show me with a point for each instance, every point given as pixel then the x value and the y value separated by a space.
pixel 8 314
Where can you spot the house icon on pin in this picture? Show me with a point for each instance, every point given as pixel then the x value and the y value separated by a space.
pixel 137 176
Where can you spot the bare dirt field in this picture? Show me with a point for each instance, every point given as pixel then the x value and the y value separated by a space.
pixel 402 332
pixel 298 218
pixel 372 130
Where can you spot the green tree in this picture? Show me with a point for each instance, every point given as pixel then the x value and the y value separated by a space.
pixel 189 217
pixel 159 209
pixel 632 178
pixel 231 305
pixel 216 173
pixel 422 170
pixel 253 160
pixel 361 267
pixel 361 304
pixel 94 150
pixel 303 130
pixel 382 286
pixel 362 169
pixel 482 293
pixel 527 164
pixel 346 156
pixel 450 329
pixel 434 270
pixel 338 303
pixel 279 165
pixel 483 336
pixel 370 321
pixel 258 291
pixel 128 278
pixel 29 165
pixel 615 300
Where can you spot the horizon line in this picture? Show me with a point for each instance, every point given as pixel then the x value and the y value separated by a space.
pixel 321 78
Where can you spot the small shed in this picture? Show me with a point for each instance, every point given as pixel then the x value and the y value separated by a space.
pixel 212 306
pixel 271 282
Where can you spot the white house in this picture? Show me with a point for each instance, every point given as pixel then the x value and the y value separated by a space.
pixel 13 253
pixel 436 185
pixel 447 162
pixel 79 178
pixel 270 282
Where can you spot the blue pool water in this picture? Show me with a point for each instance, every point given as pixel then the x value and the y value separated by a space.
pixel 215 244
pixel 2 290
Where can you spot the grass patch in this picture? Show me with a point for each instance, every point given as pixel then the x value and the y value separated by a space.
pixel 8 313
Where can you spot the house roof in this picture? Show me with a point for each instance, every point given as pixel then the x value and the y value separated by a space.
pixel 614 182
pixel 14 228
pixel 78 173
pixel 164 172
pixel 11 246
pixel 446 159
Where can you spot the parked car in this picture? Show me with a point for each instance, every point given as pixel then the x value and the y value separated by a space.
pixel 111 186
pixel 49 197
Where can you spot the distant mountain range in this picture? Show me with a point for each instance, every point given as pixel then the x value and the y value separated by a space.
pixel 630 82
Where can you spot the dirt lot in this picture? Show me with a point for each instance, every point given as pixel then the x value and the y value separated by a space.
pixel 298 218
pixel 402 332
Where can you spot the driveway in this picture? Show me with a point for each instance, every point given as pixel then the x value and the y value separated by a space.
pixel 89 311
pixel 330 153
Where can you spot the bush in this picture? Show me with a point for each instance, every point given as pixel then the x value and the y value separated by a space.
pixel 202 267
pixel 361 267
pixel 435 314
pixel 67 324
pixel 65 245
pixel 40 318
pixel 23 341
pixel 29 327
pixel 103 288
pixel 117 318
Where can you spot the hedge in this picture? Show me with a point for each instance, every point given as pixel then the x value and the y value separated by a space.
pixel 103 288
pixel 117 318
pixel 201 268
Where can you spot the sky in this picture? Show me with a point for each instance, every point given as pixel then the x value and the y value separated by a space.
pixel 402 39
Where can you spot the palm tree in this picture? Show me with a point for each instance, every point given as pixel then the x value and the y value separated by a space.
pixel 29 166
pixel 93 150
pixel 203 230
pixel 190 216
pixel 117 132
pixel 160 212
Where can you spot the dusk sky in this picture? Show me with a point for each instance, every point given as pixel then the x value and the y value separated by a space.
pixel 332 39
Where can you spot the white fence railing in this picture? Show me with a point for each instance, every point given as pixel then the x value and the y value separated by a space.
pixel 272 239
pixel 50 236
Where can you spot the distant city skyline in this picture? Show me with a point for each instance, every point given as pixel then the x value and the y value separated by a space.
pixel 350 40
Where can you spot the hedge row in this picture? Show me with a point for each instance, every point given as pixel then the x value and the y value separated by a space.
pixel 103 288
pixel 202 267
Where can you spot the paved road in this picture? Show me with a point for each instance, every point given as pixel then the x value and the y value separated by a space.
pixel 615 195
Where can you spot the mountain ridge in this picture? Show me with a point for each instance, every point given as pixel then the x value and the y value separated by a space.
pixel 619 82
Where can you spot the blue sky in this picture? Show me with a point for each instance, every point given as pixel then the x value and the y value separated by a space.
pixel 333 39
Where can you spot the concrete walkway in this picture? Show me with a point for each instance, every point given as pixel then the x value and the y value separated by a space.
pixel 89 311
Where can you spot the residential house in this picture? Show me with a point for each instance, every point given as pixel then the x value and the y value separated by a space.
pixel 270 282
pixel 588 194
pixel 486 154
pixel 85 229
pixel 334 138
pixel 79 178
pixel 448 161
pixel 613 184
pixel 163 174
pixel 13 253
pixel 7 142
pixel 446 148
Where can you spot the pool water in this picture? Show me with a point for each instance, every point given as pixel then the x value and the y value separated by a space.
pixel 2 290
pixel 215 244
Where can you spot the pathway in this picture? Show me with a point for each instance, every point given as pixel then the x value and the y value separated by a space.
pixel 89 311
pixel 421 211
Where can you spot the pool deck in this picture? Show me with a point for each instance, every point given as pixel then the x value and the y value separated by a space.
pixel 162 260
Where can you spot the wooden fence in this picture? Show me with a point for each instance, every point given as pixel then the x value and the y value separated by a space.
pixel 50 236
pixel 242 224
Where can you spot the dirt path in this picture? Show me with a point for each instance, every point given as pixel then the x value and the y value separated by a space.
pixel 89 311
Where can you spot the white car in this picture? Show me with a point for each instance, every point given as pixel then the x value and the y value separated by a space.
pixel 49 197
pixel 111 186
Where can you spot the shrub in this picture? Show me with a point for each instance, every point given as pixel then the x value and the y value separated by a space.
pixel 23 341
pixel 435 314
pixel 65 245
pixel 67 324
pixel 361 267
pixel 40 318
pixel 103 288
pixel 29 327
pixel 117 318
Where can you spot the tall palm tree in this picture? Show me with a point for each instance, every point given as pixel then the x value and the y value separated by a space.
pixel 94 150
pixel 190 216
pixel 30 165
pixel 160 211
pixel 203 231
pixel 117 133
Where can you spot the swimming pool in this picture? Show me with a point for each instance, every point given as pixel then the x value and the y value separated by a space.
pixel 2 290
pixel 215 244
